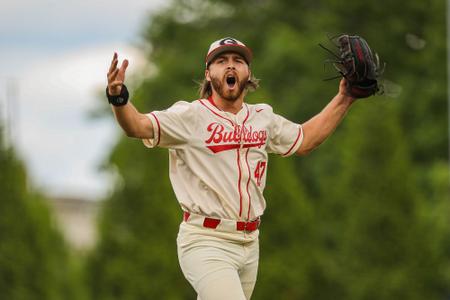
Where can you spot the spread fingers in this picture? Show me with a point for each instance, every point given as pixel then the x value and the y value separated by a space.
pixel 113 63
pixel 112 75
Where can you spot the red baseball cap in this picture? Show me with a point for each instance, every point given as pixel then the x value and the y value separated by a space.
pixel 228 44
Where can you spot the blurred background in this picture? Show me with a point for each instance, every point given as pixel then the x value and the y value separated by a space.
pixel 86 213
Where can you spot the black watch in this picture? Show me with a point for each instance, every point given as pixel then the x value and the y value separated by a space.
pixel 118 100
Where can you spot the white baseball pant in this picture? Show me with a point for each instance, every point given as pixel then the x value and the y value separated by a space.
pixel 219 265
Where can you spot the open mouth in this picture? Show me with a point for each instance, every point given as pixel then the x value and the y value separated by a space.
pixel 231 81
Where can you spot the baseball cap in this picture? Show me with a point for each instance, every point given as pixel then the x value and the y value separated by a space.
pixel 226 45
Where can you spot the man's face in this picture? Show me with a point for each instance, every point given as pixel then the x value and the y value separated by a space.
pixel 228 74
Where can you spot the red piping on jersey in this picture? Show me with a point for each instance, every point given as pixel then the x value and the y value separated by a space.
pixel 248 182
pixel 248 114
pixel 295 143
pixel 216 113
pixel 211 100
pixel 159 128
pixel 248 167
pixel 239 182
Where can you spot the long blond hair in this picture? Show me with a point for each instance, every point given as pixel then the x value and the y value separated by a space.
pixel 205 87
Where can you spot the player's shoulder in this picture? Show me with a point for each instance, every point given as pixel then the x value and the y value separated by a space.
pixel 181 108
pixel 198 102
pixel 203 105
pixel 260 108
pixel 182 105
pixel 193 106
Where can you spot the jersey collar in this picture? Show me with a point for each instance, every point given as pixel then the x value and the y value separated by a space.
pixel 242 115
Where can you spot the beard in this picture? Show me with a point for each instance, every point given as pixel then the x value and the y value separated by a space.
pixel 221 87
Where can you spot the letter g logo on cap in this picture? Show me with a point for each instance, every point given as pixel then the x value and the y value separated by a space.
pixel 228 41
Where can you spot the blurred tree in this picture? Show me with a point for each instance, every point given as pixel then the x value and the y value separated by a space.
pixel 363 217
pixel 372 209
pixel 136 257
pixel 34 261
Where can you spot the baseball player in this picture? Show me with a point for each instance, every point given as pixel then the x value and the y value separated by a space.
pixel 218 148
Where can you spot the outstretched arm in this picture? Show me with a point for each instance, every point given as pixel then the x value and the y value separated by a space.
pixel 318 128
pixel 134 123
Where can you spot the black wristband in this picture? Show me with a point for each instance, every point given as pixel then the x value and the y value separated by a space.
pixel 118 100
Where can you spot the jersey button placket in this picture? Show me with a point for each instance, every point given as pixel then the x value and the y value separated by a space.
pixel 245 174
pixel 241 130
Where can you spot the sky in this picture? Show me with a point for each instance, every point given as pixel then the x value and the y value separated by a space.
pixel 54 56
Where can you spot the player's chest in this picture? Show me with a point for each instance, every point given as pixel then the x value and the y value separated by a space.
pixel 218 135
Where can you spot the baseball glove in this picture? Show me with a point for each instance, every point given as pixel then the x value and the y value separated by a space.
pixel 357 64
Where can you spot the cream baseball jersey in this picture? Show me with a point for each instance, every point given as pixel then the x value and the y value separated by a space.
pixel 218 160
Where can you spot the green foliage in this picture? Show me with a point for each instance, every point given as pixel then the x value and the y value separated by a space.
pixel 363 217
pixel 137 258
pixel 377 246
pixel 34 262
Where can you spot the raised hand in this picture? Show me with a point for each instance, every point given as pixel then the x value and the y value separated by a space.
pixel 116 76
